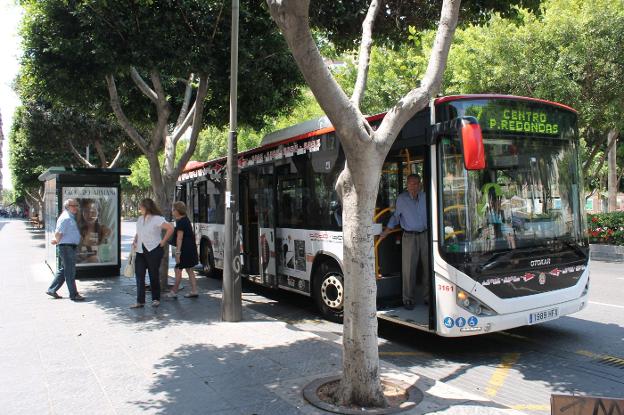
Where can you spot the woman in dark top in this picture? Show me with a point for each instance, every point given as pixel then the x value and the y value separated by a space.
pixel 186 250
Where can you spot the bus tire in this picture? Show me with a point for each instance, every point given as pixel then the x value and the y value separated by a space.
pixel 206 257
pixel 329 291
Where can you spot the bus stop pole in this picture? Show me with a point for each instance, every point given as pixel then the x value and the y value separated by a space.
pixel 231 303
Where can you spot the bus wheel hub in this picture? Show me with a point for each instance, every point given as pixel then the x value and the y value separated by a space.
pixel 332 292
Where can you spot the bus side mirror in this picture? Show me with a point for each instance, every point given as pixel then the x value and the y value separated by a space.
pixel 472 143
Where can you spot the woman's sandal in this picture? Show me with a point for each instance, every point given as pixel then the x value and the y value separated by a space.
pixel 137 305
pixel 191 295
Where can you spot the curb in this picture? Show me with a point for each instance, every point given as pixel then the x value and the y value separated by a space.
pixel 604 252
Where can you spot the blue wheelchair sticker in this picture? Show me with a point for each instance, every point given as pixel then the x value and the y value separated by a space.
pixel 448 322
pixel 473 321
pixel 460 322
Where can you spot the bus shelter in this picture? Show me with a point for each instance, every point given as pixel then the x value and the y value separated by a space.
pixel 99 195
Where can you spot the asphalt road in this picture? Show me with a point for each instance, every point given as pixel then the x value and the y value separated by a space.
pixel 581 354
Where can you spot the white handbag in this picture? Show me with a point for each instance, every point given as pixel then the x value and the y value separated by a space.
pixel 129 269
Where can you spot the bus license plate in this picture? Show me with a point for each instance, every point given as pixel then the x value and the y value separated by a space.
pixel 544 315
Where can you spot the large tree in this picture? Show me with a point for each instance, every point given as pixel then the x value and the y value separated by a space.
pixel 162 68
pixel 365 150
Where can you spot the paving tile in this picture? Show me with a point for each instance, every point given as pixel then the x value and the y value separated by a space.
pixel 100 357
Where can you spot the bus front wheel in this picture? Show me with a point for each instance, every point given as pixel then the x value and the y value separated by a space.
pixel 329 291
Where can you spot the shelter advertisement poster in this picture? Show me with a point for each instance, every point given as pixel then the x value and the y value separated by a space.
pixel 97 222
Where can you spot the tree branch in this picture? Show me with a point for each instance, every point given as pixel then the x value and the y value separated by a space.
pixel 37 199
pixel 365 50
pixel 181 129
pixel 160 91
pixel 98 148
pixel 606 153
pixel 134 135
pixel 417 98
pixel 188 93
pixel 78 155
pixel 120 152
pixel 197 122
pixel 163 110
pixel 595 149
pixel 145 89
pixel 292 17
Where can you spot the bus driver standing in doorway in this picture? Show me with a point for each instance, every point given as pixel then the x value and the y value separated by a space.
pixel 411 214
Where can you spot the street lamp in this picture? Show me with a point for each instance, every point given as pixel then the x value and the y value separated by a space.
pixel 231 302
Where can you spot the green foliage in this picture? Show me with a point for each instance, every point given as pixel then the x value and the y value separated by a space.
pixel 571 53
pixel 606 228
pixel 7 197
pixel 213 142
pixel 341 21
pixel 392 74
pixel 55 127
pixel 69 47
pixel 140 176
pixel 30 153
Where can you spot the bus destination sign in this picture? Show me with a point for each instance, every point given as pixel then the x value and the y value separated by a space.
pixel 514 119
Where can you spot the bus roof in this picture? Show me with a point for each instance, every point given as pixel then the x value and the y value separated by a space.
pixel 296 130
pixel 450 98
pixel 322 125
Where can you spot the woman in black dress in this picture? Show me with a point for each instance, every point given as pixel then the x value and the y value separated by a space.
pixel 186 250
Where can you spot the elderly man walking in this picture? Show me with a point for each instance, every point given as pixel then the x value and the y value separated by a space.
pixel 66 238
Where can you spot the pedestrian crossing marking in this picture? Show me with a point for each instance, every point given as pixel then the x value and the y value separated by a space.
pixel 500 373
pixel 603 358
pixel 405 354
pixel 531 407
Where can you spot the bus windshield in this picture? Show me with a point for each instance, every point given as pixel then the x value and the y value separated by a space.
pixel 529 193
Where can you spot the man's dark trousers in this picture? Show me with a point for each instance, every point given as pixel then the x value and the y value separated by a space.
pixel 67 270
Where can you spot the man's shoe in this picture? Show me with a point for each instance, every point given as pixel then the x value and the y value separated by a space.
pixel 137 305
pixel 78 297
pixel 155 303
pixel 53 294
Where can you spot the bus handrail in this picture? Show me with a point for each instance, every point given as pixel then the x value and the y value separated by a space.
pixel 376 217
pixel 377 242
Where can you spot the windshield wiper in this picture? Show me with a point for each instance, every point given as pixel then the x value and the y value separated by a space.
pixel 570 244
pixel 496 258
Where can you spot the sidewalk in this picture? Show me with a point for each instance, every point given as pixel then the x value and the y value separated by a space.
pixel 100 357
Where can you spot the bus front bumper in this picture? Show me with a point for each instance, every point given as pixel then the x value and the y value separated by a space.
pixel 465 324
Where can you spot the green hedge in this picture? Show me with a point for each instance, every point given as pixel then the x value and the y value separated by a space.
pixel 606 228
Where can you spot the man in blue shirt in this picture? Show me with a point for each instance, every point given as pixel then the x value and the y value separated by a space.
pixel 66 238
pixel 411 213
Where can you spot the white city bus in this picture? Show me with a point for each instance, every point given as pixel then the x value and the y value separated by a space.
pixel 503 184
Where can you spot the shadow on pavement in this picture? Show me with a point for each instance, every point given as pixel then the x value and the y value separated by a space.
pixel 258 379
pixel 115 295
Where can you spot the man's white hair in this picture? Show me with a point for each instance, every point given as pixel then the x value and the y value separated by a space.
pixel 68 202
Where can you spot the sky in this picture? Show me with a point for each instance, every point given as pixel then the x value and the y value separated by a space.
pixel 10 16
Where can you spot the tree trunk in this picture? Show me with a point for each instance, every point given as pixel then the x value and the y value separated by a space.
pixel 360 382
pixel 613 177
pixel 164 188
pixel 165 201
pixel 365 150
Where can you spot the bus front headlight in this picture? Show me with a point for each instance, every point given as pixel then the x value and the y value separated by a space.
pixel 472 305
